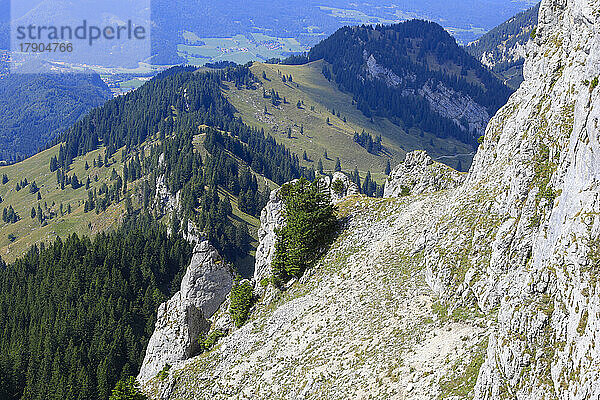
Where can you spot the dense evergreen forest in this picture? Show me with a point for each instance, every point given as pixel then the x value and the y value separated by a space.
pixel 129 120
pixel 418 53
pixel 35 108
pixel 76 315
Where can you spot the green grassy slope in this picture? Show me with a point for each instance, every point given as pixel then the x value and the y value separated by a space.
pixel 319 97
pixel 28 231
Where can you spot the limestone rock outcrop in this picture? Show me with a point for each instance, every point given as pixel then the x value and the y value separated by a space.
pixel 341 190
pixel 420 174
pixel 271 218
pixel 165 201
pixel 463 110
pixel 185 317
pixel 541 155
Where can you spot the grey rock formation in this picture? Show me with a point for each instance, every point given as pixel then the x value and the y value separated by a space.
pixel 165 201
pixel 540 153
pixel 271 218
pixel 420 174
pixel 339 192
pixel 184 318
pixel 359 326
pixel 461 109
pixel 376 71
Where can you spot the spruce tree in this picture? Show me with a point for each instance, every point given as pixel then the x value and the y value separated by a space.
pixel 309 225
pixel 240 301
pixel 127 389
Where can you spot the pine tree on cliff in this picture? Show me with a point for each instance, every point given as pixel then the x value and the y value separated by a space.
pixel 310 224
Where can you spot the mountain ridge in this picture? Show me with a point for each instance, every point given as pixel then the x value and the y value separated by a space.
pixel 401 71
pixel 503 48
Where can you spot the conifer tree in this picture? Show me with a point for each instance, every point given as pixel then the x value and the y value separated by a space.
pixel 241 301
pixel 309 225
pixel 127 389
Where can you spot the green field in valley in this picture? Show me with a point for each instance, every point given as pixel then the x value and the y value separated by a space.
pixel 240 48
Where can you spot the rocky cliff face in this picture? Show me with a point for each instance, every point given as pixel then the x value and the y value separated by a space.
pixel 539 163
pixel 271 218
pixel 486 290
pixel 419 174
pixel 183 319
pixel 460 108
pixel 521 237
pixel 165 201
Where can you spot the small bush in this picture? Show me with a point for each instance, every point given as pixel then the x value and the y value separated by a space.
pixel 207 343
pixel 127 389
pixel 338 187
pixel 593 84
pixel 164 373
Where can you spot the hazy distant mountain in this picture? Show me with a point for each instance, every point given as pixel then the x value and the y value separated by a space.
pixel 35 108
pixel 503 48
pixel 307 21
